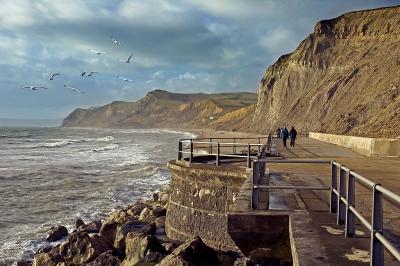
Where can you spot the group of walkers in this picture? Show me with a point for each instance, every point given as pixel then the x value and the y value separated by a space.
pixel 284 134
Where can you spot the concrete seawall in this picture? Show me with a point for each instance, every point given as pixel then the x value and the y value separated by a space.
pixel 200 198
pixel 365 146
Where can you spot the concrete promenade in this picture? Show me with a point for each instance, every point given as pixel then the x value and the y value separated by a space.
pixel 334 248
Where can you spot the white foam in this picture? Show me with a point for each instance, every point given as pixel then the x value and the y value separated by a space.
pixel 106 148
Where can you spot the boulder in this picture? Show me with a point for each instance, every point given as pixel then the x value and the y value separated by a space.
pixel 164 198
pixel 136 209
pixel 56 233
pixel 80 248
pixel 193 252
pixel 158 211
pixel 78 223
pixel 156 196
pixel 145 214
pixel 132 225
pixel 152 257
pixel 168 246
pixel 51 258
pixel 118 217
pixel 106 259
pixel 92 227
pixel 137 246
pixel 22 263
pixel 108 231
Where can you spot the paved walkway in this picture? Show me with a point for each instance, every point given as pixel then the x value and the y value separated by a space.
pixel 340 250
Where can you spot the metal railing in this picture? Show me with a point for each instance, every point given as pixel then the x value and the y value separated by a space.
pixel 342 202
pixel 196 149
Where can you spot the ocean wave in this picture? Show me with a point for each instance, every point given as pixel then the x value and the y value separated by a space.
pixel 106 148
pixel 57 144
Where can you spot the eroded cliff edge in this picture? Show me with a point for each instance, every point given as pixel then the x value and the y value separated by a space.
pixel 342 79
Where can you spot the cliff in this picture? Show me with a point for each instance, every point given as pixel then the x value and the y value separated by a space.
pixel 342 79
pixel 166 109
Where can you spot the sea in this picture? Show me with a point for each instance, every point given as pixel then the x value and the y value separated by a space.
pixel 52 176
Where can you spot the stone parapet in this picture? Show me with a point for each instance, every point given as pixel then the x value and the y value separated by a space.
pixel 201 196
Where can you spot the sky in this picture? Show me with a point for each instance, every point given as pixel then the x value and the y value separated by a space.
pixel 178 45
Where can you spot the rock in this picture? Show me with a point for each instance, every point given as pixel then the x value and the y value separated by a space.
pixel 193 252
pixel 118 217
pixel 122 231
pixel 92 227
pixel 152 257
pixel 158 211
pixel 146 212
pixel 51 258
pixel 80 248
pixel 137 246
pixel 78 223
pixel 105 259
pixel 136 209
pixel 168 246
pixel 56 233
pixel 108 231
pixel 155 196
pixel 22 263
pixel 164 198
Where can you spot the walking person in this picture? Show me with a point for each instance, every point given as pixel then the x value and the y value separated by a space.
pixel 285 136
pixel 292 135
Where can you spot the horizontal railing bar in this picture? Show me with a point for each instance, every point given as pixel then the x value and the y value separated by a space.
pixel 360 217
pixel 388 193
pixel 388 245
pixel 221 144
pixel 291 187
pixel 221 154
pixel 362 179
pixel 222 138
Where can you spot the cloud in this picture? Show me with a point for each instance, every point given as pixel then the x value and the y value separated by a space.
pixel 179 45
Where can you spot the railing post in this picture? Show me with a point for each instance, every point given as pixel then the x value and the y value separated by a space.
pixel 350 219
pixel 377 251
pixel 234 145
pixel 255 181
pixel 210 146
pixel 191 151
pixel 217 161
pixel 334 202
pixel 259 142
pixel 341 214
pixel 179 150
pixel 248 156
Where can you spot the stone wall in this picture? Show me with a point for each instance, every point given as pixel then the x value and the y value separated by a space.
pixel 365 146
pixel 200 197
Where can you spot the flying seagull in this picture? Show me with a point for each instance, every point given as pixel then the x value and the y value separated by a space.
pixel 96 52
pixel 52 76
pixel 92 72
pixel 34 87
pixel 127 60
pixel 116 41
pixel 125 79
pixel 74 89
pixel 83 73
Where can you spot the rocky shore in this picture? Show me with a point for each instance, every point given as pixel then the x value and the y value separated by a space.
pixel 134 235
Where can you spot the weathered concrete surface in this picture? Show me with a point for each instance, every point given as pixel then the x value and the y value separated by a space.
pixel 365 146
pixel 200 198
pixel 338 249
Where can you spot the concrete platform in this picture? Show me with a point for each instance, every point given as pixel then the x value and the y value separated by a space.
pixel 313 206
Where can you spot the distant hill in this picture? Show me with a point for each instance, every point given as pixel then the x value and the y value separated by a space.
pixel 165 109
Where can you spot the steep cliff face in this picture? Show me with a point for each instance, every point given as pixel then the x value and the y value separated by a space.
pixel 344 78
pixel 165 110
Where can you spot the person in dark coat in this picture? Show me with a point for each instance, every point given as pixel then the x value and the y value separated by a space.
pixel 285 136
pixel 292 135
